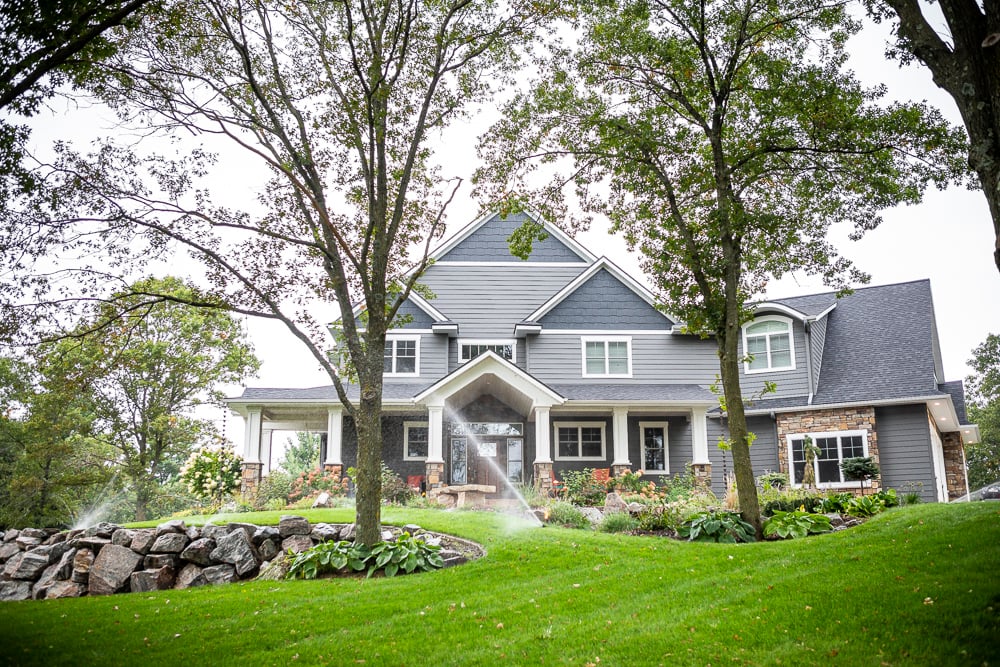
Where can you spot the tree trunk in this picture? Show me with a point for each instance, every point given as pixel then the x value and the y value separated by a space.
pixel 368 422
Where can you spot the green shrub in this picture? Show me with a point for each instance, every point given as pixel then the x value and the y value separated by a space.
pixel 682 486
pixel 888 497
pixel 311 483
pixel 791 500
pixel 394 489
pixel 912 493
pixel 628 482
pixel 717 526
pixel 859 469
pixel 864 506
pixel 580 487
pixel 656 518
pixel 406 553
pixel 836 502
pixel 773 480
pixel 618 522
pixel 276 486
pixel 796 524
pixel 567 514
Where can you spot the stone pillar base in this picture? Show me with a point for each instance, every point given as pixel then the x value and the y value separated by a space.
pixel 544 477
pixel 703 474
pixel 251 476
pixel 335 468
pixel 619 470
pixel 435 476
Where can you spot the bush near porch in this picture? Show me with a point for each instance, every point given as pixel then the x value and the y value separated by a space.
pixel 572 597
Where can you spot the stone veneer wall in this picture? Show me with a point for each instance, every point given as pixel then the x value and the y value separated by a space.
pixel 822 421
pixel 954 464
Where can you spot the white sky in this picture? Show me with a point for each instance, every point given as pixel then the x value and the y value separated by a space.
pixel 948 238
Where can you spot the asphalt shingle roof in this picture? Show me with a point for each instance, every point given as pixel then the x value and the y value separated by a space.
pixel 810 305
pixel 956 390
pixel 633 392
pixel 390 391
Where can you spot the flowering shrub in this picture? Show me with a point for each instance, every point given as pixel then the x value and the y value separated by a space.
pixel 312 482
pixel 212 473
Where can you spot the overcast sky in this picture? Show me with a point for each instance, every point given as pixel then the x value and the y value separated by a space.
pixel 947 238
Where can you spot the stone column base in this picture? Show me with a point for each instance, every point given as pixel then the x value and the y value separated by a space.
pixel 702 474
pixel 544 477
pixel 335 468
pixel 251 476
pixel 435 476
pixel 619 470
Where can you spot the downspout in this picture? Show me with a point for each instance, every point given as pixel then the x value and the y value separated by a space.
pixel 807 325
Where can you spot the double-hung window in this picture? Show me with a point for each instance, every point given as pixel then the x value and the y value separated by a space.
pixel 402 356
pixel 607 356
pixel 415 441
pixel 580 441
pixel 767 341
pixel 470 349
pixel 832 448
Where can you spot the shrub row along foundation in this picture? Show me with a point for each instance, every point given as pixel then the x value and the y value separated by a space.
pixel 107 559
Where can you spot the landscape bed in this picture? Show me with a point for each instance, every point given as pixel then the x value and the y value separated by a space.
pixel 915 585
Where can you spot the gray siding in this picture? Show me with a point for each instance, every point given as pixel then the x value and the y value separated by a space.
pixel 489 244
pixel 817 335
pixel 609 445
pixel 904 446
pixel 679 451
pixel 487 301
pixel 790 383
pixel 392 445
pixel 763 453
pixel 418 318
pixel 433 361
pixel 656 358
pixel 604 302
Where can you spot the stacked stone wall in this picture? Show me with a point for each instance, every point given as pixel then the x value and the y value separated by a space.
pixel 825 421
pixel 954 465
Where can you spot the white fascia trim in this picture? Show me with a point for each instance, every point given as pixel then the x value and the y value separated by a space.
pixel 473 369
pixel 572 404
pixel 607 332
pixel 823 314
pixel 927 400
pixel 425 306
pixel 787 310
pixel 518 263
pixel 602 263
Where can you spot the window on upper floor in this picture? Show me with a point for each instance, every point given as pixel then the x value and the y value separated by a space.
pixel 470 349
pixel 832 448
pixel 768 343
pixel 580 441
pixel 415 438
pixel 607 356
pixel 402 356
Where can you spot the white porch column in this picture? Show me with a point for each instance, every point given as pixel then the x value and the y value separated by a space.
pixel 334 436
pixel 251 435
pixel 619 429
pixel 265 447
pixel 699 436
pixel 435 434
pixel 543 440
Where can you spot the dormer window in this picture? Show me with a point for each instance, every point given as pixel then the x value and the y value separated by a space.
pixel 768 343
pixel 402 356
pixel 470 349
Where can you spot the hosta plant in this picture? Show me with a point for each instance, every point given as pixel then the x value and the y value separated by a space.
pixel 405 553
pixel 796 524
pixel 717 526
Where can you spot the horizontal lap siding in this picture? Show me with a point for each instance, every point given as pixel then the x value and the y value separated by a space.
pixel 763 452
pixel 679 451
pixel 656 358
pixel 789 383
pixel 487 301
pixel 904 445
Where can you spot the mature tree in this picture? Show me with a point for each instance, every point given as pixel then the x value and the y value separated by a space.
pixel 301 454
pixel 963 55
pixel 983 458
pixel 337 101
pixel 722 139
pixel 143 367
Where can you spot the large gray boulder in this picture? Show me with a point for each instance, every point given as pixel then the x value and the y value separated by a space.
pixel 112 569
pixel 291 524
pixel 219 574
pixel 103 529
pixel 29 566
pixel 27 541
pixel 264 533
pixel 190 576
pixel 156 561
pixel 11 535
pixel 174 526
pixel 324 532
pixel 296 543
pixel 238 550
pixel 93 542
pixel 123 537
pixel 11 591
pixel 64 589
pixel 83 560
pixel 8 550
pixel 158 579
pixel 170 543
pixel 143 540
pixel 614 503
pixel 268 549
pixel 199 551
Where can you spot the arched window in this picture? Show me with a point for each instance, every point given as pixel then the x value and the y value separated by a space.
pixel 768 341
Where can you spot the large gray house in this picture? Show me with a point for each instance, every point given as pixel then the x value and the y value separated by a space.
pixel 562 362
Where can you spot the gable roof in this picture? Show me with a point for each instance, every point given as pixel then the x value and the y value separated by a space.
pixel 569 250
pixel 601 264
pixel 809 307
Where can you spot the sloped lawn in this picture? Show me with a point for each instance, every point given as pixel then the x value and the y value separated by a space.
pixel 917 585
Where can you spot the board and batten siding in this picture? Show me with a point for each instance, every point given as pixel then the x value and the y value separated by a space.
pixel 657 358
pixel 763 452
pixel 817 339
pixel 604 302
pixel 793 382
pixel 904 447
pixel 487 301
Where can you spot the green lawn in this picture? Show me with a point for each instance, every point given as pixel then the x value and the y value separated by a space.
pixel 917 585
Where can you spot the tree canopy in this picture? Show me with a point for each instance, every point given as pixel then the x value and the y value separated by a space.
pixel 983 458
pixel 722 140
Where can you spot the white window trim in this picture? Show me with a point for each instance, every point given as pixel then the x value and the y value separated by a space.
pixel 580 425
pixel 406 440
pixel 666 446
pixel 840 452
pixel 604 339
pixel 487 341
pixel 791 344
pixel 416 365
